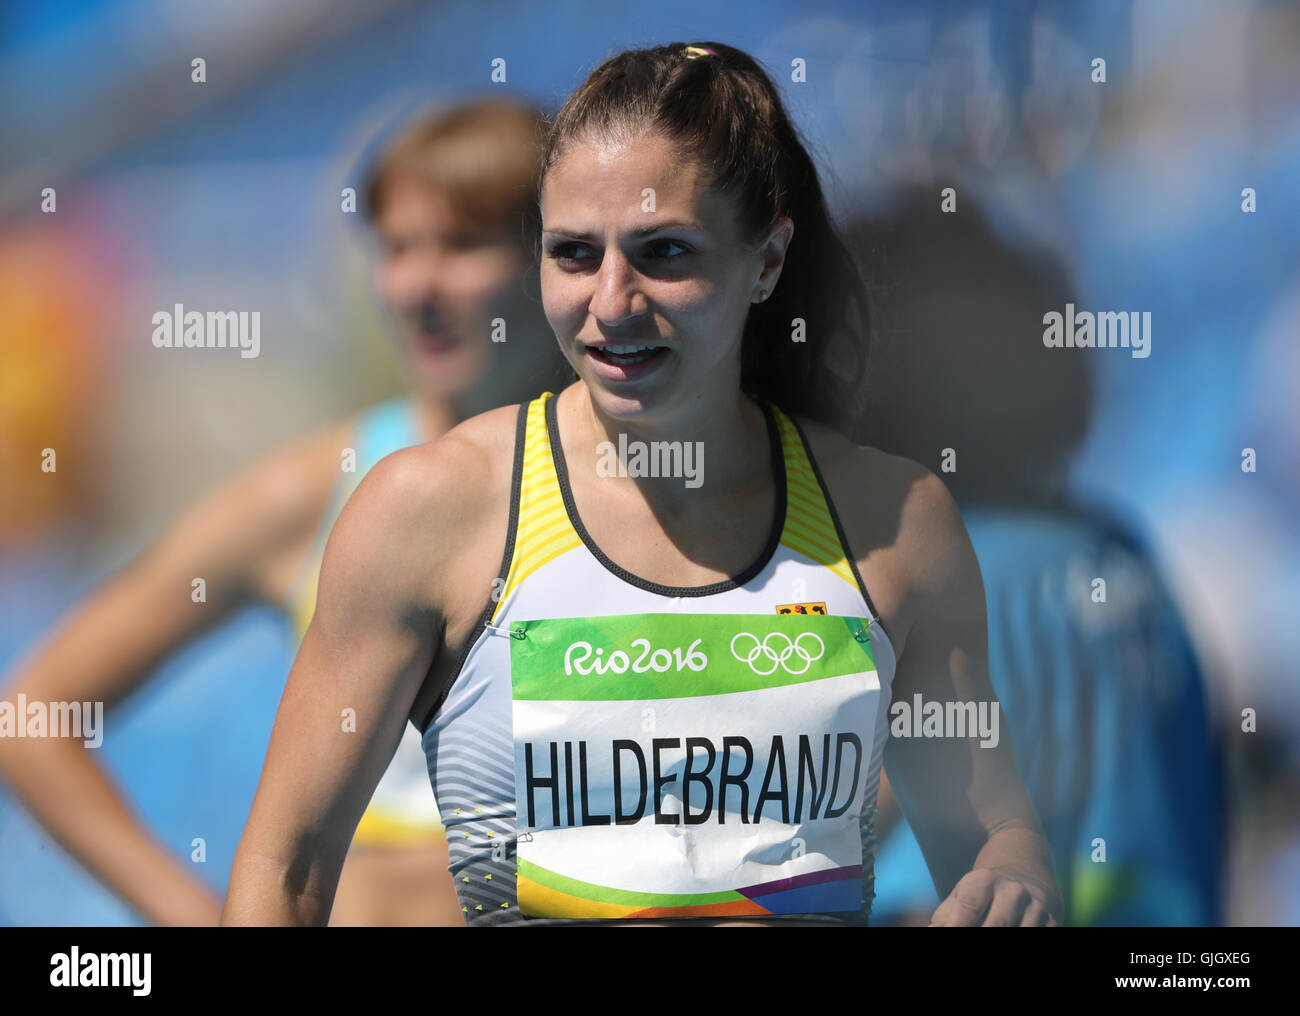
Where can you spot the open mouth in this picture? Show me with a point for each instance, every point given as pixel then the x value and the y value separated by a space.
pixel 625 356
pixel 432 332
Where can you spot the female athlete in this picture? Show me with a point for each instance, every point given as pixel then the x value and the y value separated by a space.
pixel 450 200
pixel 634 617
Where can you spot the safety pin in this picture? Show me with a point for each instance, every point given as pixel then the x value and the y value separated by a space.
pixel 520 634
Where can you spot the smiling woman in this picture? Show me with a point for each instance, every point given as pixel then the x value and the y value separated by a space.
pixel 804 344
pixel 497 583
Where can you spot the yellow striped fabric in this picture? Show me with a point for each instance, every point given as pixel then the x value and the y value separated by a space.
pixel 543 531
pixel 809 529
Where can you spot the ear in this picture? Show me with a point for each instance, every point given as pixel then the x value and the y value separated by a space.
pixel 772 250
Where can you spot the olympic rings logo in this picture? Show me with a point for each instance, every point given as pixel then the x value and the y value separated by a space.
pixel 762 652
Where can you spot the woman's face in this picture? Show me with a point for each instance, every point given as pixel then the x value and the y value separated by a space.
pixel 443 279
pixel 646 281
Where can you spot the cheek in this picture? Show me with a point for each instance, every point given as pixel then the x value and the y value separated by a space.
pixel 388 279
pixel 477 278
pixel 562 303
pixel 699 305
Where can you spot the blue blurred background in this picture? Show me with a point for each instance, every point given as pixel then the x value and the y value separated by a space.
pixel 226 193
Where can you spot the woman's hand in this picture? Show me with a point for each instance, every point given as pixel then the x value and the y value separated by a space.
pixel 1001 897
pixel 111 643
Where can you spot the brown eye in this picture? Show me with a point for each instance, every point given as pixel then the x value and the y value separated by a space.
pixel 660 250
pixel 567 252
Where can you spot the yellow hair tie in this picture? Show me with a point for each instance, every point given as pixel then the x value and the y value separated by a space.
pixel 694 51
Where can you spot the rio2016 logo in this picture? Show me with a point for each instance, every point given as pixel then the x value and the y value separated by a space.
pixel 618 662
pixel 777 649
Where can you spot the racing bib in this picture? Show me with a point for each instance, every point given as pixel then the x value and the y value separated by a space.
pixel 683 765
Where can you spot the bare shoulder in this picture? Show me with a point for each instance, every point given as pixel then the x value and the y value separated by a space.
pixel 421 513
pixel 454 476
pixel 895 511
pixel 859 468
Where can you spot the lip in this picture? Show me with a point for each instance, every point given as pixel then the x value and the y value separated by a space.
pixel 610 371
pixel 434 342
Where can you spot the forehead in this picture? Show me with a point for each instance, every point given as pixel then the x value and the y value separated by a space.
pixel 605 180
pixel 409 201
pixel 412 204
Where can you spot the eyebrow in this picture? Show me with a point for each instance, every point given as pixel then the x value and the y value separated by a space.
pixel 639 232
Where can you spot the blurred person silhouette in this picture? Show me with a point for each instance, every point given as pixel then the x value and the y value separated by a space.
pixel 1104 699
pixel 452 205
pixel 1234 547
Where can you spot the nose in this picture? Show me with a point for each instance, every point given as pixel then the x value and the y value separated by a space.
pixel 617 297
pixel 416 275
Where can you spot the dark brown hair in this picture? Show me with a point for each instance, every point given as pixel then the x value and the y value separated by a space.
pixel 723 109
pixel 484 154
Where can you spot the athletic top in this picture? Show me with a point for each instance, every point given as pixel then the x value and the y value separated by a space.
pixel 615 748
pixel 402 810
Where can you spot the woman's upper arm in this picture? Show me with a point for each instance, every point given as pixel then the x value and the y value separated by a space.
pixel 959 788
pixel 369 647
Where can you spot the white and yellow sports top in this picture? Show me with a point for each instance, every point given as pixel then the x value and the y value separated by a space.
pixel 613 748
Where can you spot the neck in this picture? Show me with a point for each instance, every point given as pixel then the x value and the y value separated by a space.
pixel 729 434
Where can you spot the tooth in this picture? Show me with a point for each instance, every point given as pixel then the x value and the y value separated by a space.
pixel 624 350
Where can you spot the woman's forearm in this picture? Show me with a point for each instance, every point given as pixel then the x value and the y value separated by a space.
pixel 266 890
pixel 68 792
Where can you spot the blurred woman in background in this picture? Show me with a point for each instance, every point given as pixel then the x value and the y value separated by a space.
pixel 451 202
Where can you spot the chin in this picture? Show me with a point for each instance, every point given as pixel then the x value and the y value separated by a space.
pixel 443 380
pixel 448 373
pixel 642 403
